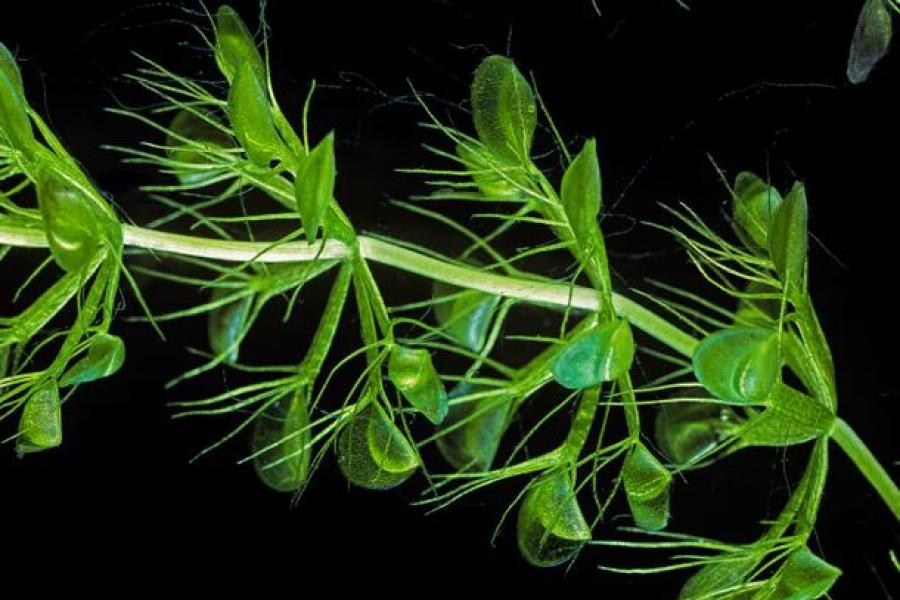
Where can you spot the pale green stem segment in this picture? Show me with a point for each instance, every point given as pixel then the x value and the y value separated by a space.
pixel 868 465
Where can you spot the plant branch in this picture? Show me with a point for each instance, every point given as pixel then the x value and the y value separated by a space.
pixel 868 465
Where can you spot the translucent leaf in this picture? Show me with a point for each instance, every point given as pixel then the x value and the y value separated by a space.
pixel 791 417
pixel 105 356
pixel 647 484
pixel 15 126
pixel 687 432
pixel 581 194
pixel 484 174
pixel 188 125
pixel 314 187
pixel 467 317
pixel 226 323
pixel 715 578
pixel 283 467
pixel 788 239
pixel 804 576
pixel 763 312
pixel 373 453
pixel 602 353
pixel 9 67
pixel 755 203
pixel 414 375
pixel 235 46
pixel 251 117
pixel 503 109
pixel 472 431
pixel 40 426
pixel 739 365
pixel 871 40
pixel 551 529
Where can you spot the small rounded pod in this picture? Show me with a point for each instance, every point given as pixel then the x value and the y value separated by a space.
pixel 755 203
pixel 739 365
pixel 551 528
pixel 235 46
pixel 104 357
pixel 251 117
pixel 804 576
pixel 281 445
pixel 600 354
pixel 40 426
pixel 372 451
pixel 469 437
pixel 504 109
pixel 647 483
pixel 687 432
pixel 413 374
pixel 467 317
pixel 226 324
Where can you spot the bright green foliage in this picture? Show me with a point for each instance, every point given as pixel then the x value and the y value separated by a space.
pixel 551 529
pixel 15 126
pixel 804 576
pixel 791 417
pixel 9 67
pixel 105 356
pixel 581 195
pixel 281 444
pixel 763 310
pixel 739 365
pixel 788 240
pixel 871 40
pixel 687 432
pixel 755 202
pixel 202 137
pixel 251 116
pixel 492 184
pixel 226 324
pixel 467 317
pixel 714 579
pixel 235 46
pixel 472 431
pixel 504 110
pixel 372 451
pixel 602 353
pixel 647 484
pixel 40 426
pixel 4 361
pixel 414 375
pixel 314 187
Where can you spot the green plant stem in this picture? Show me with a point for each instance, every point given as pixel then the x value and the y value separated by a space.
pixel 868 465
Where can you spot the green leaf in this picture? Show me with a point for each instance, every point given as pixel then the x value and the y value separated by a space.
pixel 503 109
pixel 235 46
pixel 788 240
pixel 761 312
pixel 283 467
pixel 739 365
pixel 687 432
pixel 4 360
pixel 472 431
pixel 791 417
pixel 871 40
pixel 40 426
pixel 105 356
pixel 314 188
pixel 373 453
pixel 804 576
pixel 581 192
pixel 467 317
pixel 251 117
pixel 414 375
pixel 226 324
pixel 494 182
pixel 206 137
pixel 15 125
pixel 755 203
pixel 551 528
pixel 715 578
pixel 11 69
pixel 602 353
pixel 647 484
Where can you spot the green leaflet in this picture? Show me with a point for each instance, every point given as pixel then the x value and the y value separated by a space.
pixel 871 40
pixel 755 202
pixel 40 426
pixel 206 138
pixel 788 240
pixel 504 110
pixel 467 317
pixel 791 417
pixel 687 432
pixel 225 324
pixel 602 353
pixel 283 467
pixel 9 67
pixel 711 580
pixel 414 375
pixel 739 365
pixel 580 193
pixel 235 46
pixel 551 529
pixel 372 451
pixel 251 117
pixel 647 484
pixel 105 356
pixel 472 431
pixel 314 188
pixel 15 125
pixel 492 180
pixel 804 576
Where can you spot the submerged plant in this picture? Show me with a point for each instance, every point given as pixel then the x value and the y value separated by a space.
pixel 754 372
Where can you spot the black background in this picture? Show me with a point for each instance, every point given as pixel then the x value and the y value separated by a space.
pixel 756 85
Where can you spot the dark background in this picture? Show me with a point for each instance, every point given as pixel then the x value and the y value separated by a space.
pixel 756 85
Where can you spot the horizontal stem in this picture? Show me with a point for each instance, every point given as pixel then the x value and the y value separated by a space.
pixel 868 465
pixel 536 291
